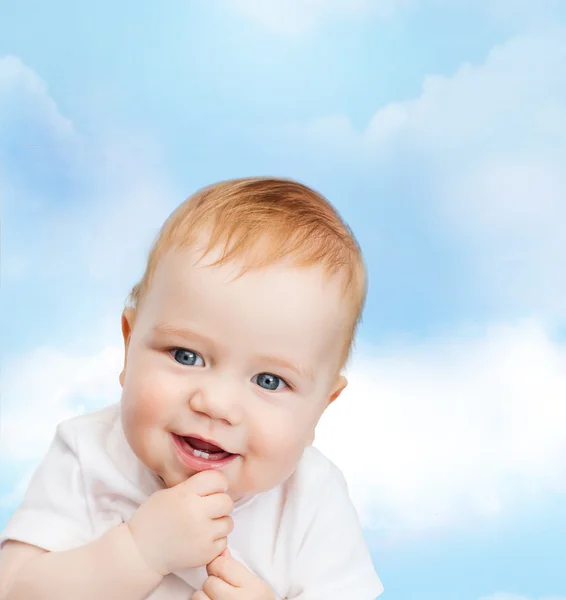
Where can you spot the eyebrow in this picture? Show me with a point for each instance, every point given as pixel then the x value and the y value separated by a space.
pixel 285 364
pixel 266 358
pixel 165 329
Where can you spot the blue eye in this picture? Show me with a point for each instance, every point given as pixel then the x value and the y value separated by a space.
pixel 186 357
pixel 270 382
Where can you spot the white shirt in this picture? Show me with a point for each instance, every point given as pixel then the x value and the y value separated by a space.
pixel 303 537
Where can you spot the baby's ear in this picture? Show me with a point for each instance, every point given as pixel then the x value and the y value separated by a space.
pixel 127 324
pixel 338 388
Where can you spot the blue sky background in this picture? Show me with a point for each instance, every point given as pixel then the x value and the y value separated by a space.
pixel 438 129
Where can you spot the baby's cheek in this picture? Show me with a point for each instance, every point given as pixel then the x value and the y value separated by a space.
pixel 147 399
pixel 280 443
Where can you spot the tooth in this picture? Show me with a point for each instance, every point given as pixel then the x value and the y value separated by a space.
pixel 201 453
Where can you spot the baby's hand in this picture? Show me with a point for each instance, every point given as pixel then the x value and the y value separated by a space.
pixel 184 526
pixel 229 579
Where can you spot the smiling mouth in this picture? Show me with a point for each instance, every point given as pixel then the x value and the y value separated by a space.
pixel 202 449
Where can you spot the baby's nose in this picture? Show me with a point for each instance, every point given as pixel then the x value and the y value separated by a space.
pixel 222 407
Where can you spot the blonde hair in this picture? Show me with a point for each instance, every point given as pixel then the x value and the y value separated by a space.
pixel 296 221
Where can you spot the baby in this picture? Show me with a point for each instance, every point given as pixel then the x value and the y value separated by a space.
pixel 203 482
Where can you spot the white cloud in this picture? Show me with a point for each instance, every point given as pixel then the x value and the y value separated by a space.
pixel 23 92
pixel 43 388
pixel 46 386
pixel 291 17
pixel 492 141
pixel 451 430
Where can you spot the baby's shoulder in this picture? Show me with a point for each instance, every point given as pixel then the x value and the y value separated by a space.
pixel 88 429
pixel 314 473
pixel 99 448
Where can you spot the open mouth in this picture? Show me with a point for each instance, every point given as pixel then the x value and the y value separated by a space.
pixel 201 449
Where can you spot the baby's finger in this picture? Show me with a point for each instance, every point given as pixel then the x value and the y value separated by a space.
pixel 200 595
pixel 206 483
pixel 222 527
pixel 216 589
pixel 229 570
pixel 219 505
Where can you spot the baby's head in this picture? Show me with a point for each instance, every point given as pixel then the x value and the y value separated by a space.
pixel 238 332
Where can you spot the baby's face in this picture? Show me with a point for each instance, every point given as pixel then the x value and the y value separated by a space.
pixel 249 365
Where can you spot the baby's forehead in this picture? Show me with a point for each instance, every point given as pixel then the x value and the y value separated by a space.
pixel 283 286
pixel 198 258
